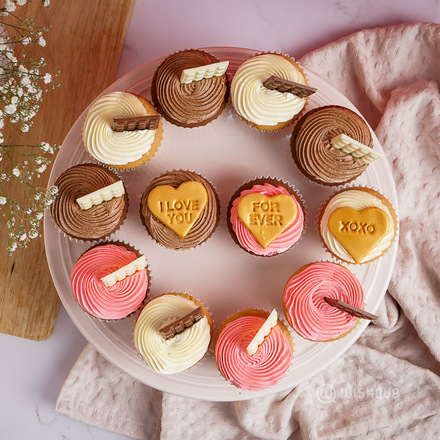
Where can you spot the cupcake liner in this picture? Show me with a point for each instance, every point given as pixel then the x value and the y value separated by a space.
pixel 261 181
pixel 171 235
pixel 109 235
pixel 284 124
pixel 383 199
pixel 197 303
pixel 170 119
pixel 131 248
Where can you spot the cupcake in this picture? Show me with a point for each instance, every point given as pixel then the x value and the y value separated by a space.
pixel 265 217
pixel 315 150
pixel 190 104
pixel 358 225
pixel 262 106
pixel 173 332
pixel 104 206
pixel 180 209
pixel 261 367
pixel 305 308
pixel 122 130
pixel 110 280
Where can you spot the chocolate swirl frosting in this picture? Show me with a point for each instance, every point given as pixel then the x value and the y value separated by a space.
pixel 313 153
pixel 202 229
pixel 97 222
pixel 192 104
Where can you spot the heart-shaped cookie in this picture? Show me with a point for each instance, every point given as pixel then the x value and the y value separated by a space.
pixel 266 217
pixel 359 232
pixel 178 208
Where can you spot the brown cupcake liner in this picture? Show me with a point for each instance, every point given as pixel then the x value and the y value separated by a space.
pixel 383 199
pixel 159 109
pixel 261 181
pixel 131 248
pixel 217 215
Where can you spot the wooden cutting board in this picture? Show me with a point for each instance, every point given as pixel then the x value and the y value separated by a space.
pixel 84 44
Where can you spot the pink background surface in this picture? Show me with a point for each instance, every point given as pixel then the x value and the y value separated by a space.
pixel 34 371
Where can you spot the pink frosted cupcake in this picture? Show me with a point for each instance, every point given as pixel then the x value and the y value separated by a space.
pixel 266 217
pixel 110 281
pixel 306 310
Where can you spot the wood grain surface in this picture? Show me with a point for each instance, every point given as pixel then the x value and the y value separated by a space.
pixel 84 44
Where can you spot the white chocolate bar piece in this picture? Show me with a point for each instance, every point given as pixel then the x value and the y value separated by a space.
pixel 265 329
pixel 101 195
pixel 354 148
pixel 125 271
pixel 202 72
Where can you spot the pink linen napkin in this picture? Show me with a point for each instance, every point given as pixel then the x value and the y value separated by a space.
pixel 387 384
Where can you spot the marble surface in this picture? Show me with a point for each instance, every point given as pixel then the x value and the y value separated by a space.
pixel 33 372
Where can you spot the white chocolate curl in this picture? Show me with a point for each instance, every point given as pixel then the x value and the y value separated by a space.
pixel 101 195
pixel 202 72
pixel 265 329
pixel 125 271
pixel 356 149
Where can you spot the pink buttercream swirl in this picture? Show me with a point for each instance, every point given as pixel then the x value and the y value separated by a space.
pixel 103 302
pixel 284 241
pixel 259 371
pixel 307 311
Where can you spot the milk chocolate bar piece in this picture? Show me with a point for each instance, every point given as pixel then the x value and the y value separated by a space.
pixel 350 309
pixel 149 122
pixel 284 85
pixel 176 327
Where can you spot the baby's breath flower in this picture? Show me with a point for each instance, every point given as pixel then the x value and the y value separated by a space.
pixel 3 200
pixel 41 41
pixel 16 172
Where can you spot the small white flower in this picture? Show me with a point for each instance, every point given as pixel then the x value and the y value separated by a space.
pixel 10 109
pixel 25 128
pixel 39 215
pixel 16 172
pixel 10 6
pixel 23 237
pixel 25 41
pixel 25 81
pixel 41 41
pixel 12 247
pixel 33 233
pixel 41 168
pixel 45 146
pixel 14 99
pixel 3 200
pixel 46 3
pixel 47 78
pixel 21 2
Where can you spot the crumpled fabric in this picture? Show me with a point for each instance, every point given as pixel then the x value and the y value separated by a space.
pixel 387 385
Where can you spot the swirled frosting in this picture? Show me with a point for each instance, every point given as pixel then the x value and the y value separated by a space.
pixel 307 311
pixel 100 220
pixel 202 229
pixel 284 241
pixel 193 104
pixel 111 147
pixel 359 199
pixel 258 104
pixel 170 356
pixel 103 302
pixel 313 153
pixel 252 372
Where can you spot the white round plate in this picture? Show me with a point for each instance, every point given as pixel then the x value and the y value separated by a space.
pixel 219 273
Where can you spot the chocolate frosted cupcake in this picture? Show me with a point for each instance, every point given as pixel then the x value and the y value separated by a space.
pixel 315 149
pixel 265 217
pixel 122 130
pixel 180 209
pixel 188 104
pixel 259 100
pixel 91 203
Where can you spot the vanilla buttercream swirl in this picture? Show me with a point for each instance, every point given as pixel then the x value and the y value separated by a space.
pixel 202 229
pixel 112 147
pixel 190 104
pixel 307 311
pixel 258 104
pixel 100 220
pixel 359 200
pixel 182 351
pixel 117 301
pixel 284 241
pixel 260 370
pixel 313 152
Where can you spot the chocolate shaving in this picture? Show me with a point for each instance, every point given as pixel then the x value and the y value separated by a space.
pixel 284 85
pixel 350 309
pixel 149 122
pixel 178 326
